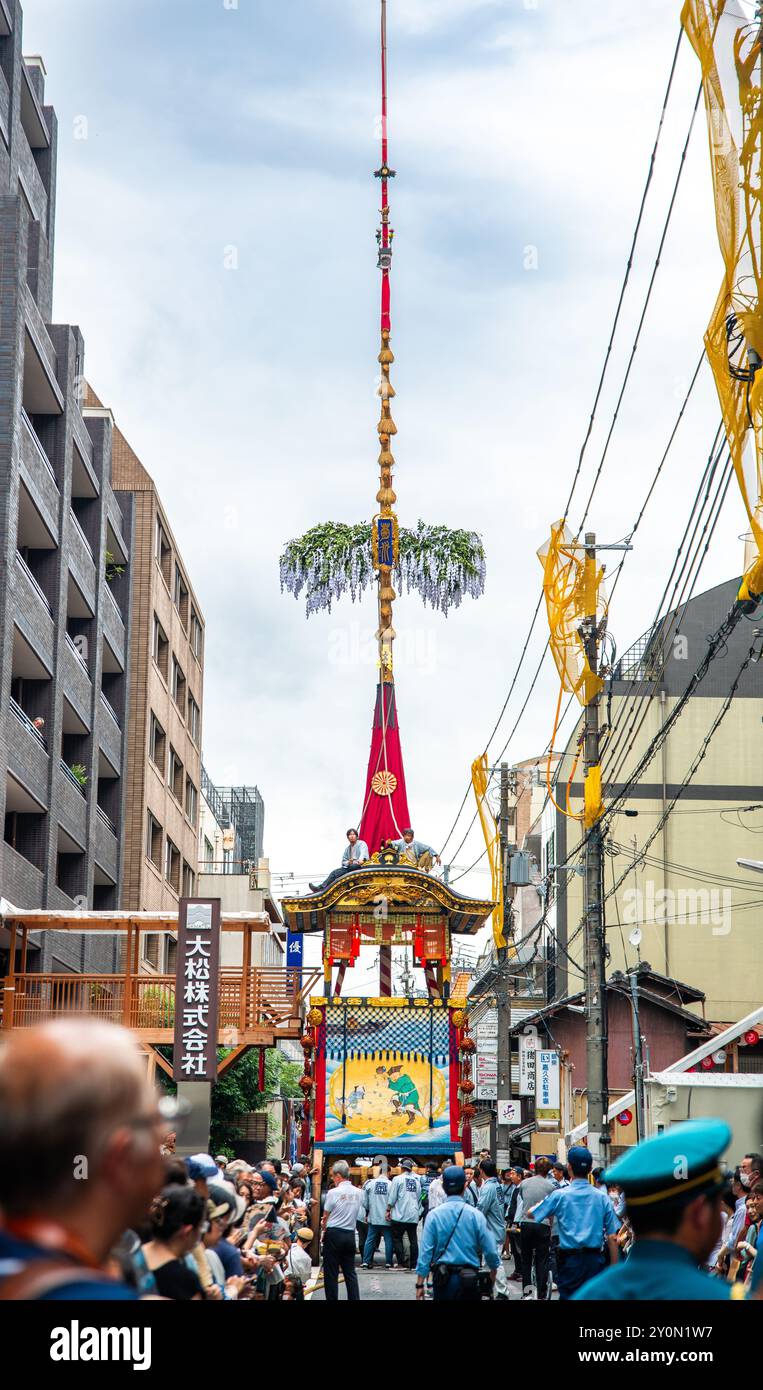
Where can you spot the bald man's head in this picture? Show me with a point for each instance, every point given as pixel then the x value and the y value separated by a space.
pixel 72 1091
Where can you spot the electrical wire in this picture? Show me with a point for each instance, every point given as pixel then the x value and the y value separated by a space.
pixel 597 397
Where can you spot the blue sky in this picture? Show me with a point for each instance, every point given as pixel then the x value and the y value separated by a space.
pixel 249 393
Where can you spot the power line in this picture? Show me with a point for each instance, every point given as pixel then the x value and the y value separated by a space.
pixel 597 397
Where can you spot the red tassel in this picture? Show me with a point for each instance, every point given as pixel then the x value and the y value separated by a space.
pixel 261 1074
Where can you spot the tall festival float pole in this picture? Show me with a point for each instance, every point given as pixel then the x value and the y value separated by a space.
pixel 335 559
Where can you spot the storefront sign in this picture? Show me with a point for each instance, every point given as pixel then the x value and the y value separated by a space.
pixel 487 1026
pixel 509 1112
pixel 487 1077
pixel 197 990
pixel 528 1054
pixel 547 1088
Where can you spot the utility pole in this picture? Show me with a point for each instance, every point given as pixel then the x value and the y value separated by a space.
pixel 638 1059
pixel 595 961
pixel 503 1132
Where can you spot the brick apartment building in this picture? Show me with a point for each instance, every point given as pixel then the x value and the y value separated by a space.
pixel 64 559
pixel 166 672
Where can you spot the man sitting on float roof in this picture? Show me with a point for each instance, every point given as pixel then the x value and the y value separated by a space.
pixel 355 854
pixel 412 851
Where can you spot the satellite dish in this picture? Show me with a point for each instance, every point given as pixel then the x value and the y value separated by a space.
pixel 635 936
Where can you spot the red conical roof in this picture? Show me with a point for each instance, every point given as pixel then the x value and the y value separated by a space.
pixel 385 805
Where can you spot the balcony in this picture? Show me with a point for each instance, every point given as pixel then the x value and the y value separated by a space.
pixel 77 682
pixel 110 711
pixel 22 881
pixel 27 754
pixel 82 561
pixel 254 1005
pixel 81 534
pixel 106 843
pixel 74 781
pixel 72 645
pixel 25 570
pixel 36 449
pixel 27 723
pixel 72 804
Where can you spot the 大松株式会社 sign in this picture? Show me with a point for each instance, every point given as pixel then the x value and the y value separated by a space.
pixel 197 983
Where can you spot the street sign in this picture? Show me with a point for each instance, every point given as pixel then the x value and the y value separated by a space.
pixel 509 1112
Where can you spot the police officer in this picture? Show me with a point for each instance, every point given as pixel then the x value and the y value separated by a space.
pixel 404 1212
pixel 585 1219
pixel 375 1203
pixel 456 1239
pixel 672 1187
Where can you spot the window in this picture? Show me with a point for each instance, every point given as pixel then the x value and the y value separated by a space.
pixel 175 777
pixel 191 800
pixel 157 744
pixel 151 945
pixel 194 720
pixel 160 648
pixel 172 865
pixel 178 685
pixel 157 747
pixel 163 552
pixel 189 881
pixel 154 841
pixel 196 635
pixel 209 854
pixel 181 596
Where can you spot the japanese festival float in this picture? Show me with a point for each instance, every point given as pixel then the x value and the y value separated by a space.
pixel 386 1075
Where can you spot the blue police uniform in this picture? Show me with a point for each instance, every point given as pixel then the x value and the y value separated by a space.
pixel 584 1218
pixel 683 1160
pixel 457 1235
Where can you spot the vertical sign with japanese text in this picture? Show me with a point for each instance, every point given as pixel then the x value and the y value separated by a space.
pixel 294 950
pixel 547 1088
pixel 528 1054
pixel 197 990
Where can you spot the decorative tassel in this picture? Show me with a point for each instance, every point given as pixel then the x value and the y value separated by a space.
pixel 386 497
pixel 386 459
pixel 387 426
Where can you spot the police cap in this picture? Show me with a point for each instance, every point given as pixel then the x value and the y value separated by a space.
pixel 685 1160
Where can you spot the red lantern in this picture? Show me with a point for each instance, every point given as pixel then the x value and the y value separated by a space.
pixel 751 1037
pixel 306 1084
pixel 707 1064
pixel 468 1045
pixel 308 1042
pixel 467 1087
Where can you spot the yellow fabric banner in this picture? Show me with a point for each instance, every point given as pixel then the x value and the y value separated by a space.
pixel 480 781
pixel 571 584
pixel 730 52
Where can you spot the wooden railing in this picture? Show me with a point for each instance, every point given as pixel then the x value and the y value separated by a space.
pixel 265 997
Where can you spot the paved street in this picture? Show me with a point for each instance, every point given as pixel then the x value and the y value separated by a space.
pixel 394 1286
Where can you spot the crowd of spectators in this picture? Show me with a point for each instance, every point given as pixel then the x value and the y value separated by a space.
pixel 95 1204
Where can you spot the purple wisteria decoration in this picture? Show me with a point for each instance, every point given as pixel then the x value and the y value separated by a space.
pixel 441 565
